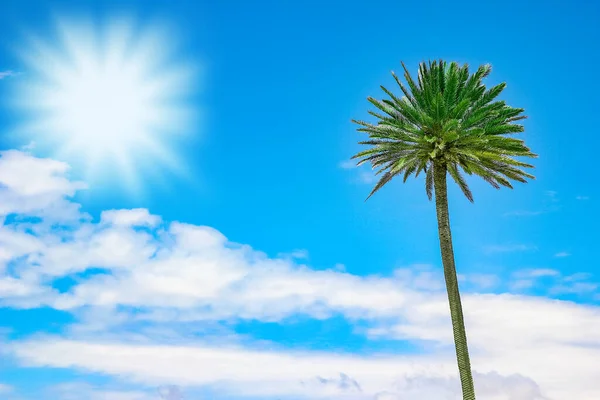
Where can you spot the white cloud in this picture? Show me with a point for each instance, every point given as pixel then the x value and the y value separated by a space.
pixel 167 279
pixel 29 176
pixel 232 371
pixel 488 386
pixel 36 187
pixel 562 254
pixel 134 217
pixel 582 197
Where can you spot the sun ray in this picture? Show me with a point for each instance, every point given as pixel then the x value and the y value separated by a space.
pixel 110 97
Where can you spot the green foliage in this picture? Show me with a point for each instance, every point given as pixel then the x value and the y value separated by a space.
pixel 450 118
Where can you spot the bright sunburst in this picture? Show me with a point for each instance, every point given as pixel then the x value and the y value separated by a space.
pixel 108 96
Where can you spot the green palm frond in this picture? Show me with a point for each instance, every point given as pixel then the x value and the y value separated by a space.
pixel 445 117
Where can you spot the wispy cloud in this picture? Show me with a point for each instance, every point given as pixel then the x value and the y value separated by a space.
pixel 523 213
pixel 552 195
pixel 170 392
pixel 580 276
pixel 80 390
pixel 7 74
pixel 562 254
pixel 480 281
pixel 348 164
pixel 339 267
pixel 28 147
pixel 363 174
pixel 555 283
pixel 574 288
pixel 582 198
pixel 298 254
pixel 550 204
pixel 528 278
pixel 367 177
pixel 519 285
pixel 509 248
pixel 4 388
pixel 536 273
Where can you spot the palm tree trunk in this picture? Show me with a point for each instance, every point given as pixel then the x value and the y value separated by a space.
pixel 456 314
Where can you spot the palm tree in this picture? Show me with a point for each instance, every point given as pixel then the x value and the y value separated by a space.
pixel 445 123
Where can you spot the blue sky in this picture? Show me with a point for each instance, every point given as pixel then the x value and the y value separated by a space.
pixel 255 245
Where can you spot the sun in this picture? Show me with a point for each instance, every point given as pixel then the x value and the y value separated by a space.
pixel 111 96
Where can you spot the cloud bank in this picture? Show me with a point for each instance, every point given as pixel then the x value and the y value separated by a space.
pixel 143 292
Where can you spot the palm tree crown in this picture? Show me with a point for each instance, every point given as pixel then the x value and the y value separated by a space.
pixel 447 118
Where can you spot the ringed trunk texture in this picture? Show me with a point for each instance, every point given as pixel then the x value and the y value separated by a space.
pixel 456 314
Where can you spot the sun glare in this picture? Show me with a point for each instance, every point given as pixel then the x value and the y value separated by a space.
pixel 108 96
